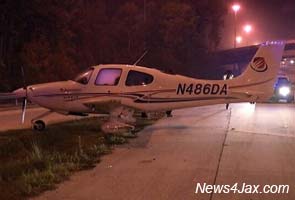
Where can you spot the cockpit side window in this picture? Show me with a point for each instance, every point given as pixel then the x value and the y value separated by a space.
pixel 84 77
pixel 138 78
pixel 108 76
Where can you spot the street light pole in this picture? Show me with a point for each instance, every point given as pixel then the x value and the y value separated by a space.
pixel 144 10
pixel 235 8
pixel 235 24
pixel 144 23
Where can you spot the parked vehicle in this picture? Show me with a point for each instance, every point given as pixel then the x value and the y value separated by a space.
pixel 283 91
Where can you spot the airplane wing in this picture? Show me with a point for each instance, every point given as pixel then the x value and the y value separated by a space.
pixel 7 96
pixel 105 105
pixel 250 95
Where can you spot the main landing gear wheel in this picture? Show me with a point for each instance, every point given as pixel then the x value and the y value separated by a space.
pixel 169 113
pixel 38 125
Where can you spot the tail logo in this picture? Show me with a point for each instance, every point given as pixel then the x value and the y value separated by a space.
pixel 258 64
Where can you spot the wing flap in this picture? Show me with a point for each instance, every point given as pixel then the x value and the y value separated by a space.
pixel 247 95
pixel 107 104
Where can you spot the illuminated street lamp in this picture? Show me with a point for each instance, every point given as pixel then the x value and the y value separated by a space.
pixel 239 39
pixel 235 7
pixel 247 28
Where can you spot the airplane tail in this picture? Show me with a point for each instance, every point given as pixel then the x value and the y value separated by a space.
pixel 260 74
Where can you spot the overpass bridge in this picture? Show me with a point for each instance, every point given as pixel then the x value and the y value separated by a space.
pixel 237 59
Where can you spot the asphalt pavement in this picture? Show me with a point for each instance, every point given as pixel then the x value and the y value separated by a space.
pixel 251 144
pixel 10 117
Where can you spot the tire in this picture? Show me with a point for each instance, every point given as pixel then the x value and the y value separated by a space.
pixel 38 125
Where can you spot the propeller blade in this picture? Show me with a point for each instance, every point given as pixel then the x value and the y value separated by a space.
pixel 24 107
pixel 25 99
pixel 23 77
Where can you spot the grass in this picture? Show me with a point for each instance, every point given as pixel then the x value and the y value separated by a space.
pixel 34 162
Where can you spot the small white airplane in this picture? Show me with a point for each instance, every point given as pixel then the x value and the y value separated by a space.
pixel 119 90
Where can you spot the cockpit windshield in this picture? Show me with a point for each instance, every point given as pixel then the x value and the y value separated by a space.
pixel 84 77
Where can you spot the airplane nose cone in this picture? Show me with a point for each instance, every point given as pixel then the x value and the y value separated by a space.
pixel 23 92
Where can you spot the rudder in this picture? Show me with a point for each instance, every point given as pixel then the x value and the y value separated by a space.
pixel 261 72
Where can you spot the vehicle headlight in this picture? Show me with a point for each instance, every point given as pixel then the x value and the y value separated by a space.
pixel 284 91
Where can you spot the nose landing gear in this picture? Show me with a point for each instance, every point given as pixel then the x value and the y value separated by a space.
pixel 38 125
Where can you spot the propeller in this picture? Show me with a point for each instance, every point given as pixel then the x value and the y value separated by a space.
pixel 25 98
pixel 24 107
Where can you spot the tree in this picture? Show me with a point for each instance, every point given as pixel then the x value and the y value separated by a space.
pixel 54 39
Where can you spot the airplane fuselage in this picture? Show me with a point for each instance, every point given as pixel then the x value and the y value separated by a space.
pixel 157 91
pixel 119 90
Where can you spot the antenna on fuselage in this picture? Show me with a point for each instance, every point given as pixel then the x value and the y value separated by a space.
pixel 141 57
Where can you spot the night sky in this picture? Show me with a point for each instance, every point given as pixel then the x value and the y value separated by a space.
pixel 271 20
